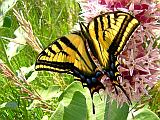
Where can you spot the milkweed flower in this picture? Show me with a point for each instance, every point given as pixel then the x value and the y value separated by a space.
pixel 140 59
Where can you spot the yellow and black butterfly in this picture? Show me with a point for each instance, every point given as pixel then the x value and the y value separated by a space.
pixel 91 53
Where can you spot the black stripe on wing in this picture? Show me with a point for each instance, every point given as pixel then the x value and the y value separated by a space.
pixel 96 30
pixel 64 66
pixel 67 42
pixel 118 38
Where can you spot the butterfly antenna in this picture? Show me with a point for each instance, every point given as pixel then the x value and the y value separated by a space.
pixel 115 89
pixel 129 100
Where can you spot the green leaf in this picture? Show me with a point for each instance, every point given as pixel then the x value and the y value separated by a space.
pixel 107 110
pixel 16 44
pixel 7 21
pixel 72 103
pixel 58 114
pixel 76 110
pixel 67 95
pixel 28 73
pixel 99 101
pixel 52 91
pixel 5 6
pixel 144 114
pixel 11 105
pixel 115 112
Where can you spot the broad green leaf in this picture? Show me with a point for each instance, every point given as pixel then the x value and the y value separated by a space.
pixel 76 110
pixel 58 114
pixel 99 101
pixel 72 104
pixel 115 112
pixel 143 114
pixel 67 96
pixel 107 110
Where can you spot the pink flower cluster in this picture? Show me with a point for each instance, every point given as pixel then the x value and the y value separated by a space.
pixel 140 59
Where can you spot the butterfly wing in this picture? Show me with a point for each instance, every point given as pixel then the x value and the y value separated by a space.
pixel 66 55
pixel 109 33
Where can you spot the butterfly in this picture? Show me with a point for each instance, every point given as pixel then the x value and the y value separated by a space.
pixel 91 53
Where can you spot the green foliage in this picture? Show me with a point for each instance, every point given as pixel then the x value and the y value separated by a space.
pixel 49 19
pixel 75 103
pixel 7 22
pixel 154 103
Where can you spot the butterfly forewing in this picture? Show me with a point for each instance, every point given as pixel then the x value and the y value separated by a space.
pixel 66 54
pixel 109 33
